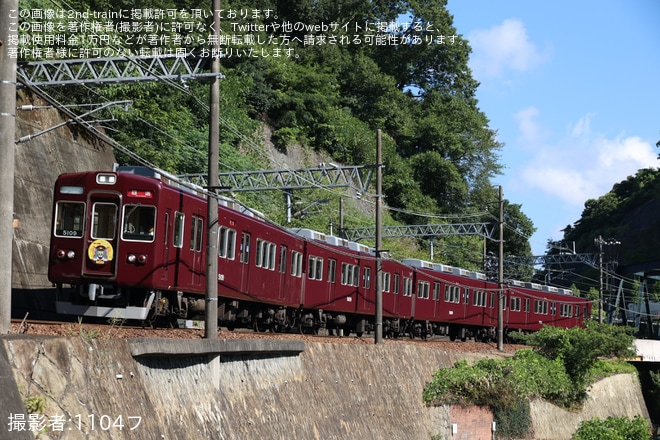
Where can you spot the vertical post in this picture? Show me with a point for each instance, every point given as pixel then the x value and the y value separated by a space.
pixel 379 240
pixel 341 217
pixel 431 251
pixel 500 278
pixel 599 242
pixel 288 195
pixel 211 323
pixel 9 28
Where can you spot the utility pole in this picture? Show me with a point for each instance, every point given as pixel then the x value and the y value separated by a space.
pixel 8 24
pixel 599 241
pixel 211 323
pixel 500 278
pixel 379 240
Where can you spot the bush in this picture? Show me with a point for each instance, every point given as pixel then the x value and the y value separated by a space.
pixel 613 428
pixel 558 370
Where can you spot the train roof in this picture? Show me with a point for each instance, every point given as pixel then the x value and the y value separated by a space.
pixel 332 240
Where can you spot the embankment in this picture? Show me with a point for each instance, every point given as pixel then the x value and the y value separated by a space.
pixel 237 389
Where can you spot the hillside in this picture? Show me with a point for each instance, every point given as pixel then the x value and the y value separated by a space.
pixel 439 152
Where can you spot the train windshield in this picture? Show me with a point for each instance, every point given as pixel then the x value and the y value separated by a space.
pixel 139 223
pixel 104 218
pixel 69 219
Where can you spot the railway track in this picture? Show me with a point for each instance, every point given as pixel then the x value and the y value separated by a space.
pixel 114 331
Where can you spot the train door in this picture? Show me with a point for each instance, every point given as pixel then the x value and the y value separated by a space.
pixel 102 234
pixel 196 249
pixel 281 269
pixel 244 259
pixel 166 273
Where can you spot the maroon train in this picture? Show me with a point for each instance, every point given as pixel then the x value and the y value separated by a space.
pixel 129 245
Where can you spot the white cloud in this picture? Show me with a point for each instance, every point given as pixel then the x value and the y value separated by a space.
pixel 583 165
pixel 502 47
pixel 582 127
pixel 530 131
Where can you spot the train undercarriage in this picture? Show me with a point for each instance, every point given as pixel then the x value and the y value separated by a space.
pixel 166 308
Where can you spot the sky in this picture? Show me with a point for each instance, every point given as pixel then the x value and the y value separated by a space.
pixel 573 90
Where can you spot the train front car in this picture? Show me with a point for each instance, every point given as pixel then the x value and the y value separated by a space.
pixel 104 258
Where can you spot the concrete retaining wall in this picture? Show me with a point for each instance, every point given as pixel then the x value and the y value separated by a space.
pixel 328 391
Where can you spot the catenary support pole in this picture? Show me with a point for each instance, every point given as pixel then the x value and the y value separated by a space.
pixel 379 240
pixel 9 29
pixel 500 278
pixel 211 323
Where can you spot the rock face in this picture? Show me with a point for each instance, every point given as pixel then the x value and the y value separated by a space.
pixel 328 391
pixel 38 163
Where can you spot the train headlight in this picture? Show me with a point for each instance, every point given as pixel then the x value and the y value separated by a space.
pixel 132 258
pixel 64 254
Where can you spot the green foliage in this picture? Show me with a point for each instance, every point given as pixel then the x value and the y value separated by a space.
pixel 579 349
pixel 513 419
pixel 613 428
pixel 654 392
pixel 35 404
pixel 439 152
pixel 627 213
pixel 558 370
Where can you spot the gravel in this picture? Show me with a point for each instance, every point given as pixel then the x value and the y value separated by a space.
pixel 98 331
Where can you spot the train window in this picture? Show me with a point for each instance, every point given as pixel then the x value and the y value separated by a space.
pixel 332 270
pixel 553 308
pixel 177 239
pixel 452 294
pixel 526 305
pixel 244 254
pixel 515 304
pixel 479 298
pixel 196 233
pixel 346 274
pixel 69 219
pixel 577 311
pixel 466 297
pixel 423 289
pixel 315 268
pixel 366 280
pixel 272 251
pixel 385 283
pixel 283 252
pixel 167 227
pixel 104 218
pixel 259 257
pixel 265 254
pixel 139 222
pixel 436 291
pixel 350 274
pixel 226 243
pixel 407 286
pixel 540 307
pixel 566 310
pixel 397 283
pixel 296 264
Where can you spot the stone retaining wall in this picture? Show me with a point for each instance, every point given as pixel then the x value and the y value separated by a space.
pixel 328 391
